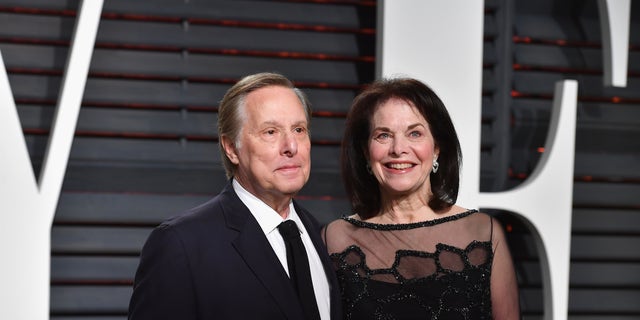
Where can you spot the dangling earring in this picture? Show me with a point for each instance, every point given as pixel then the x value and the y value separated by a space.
pixel 435 166
pixel 369 169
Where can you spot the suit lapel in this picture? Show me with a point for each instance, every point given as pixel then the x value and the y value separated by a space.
pixel 254 248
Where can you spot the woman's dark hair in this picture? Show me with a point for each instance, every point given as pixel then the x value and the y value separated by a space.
pixel 361 186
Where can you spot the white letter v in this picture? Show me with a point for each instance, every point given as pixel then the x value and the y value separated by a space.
pixel 27 206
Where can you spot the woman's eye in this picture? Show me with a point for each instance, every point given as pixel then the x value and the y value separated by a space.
pixel 383 136
pixel 415 134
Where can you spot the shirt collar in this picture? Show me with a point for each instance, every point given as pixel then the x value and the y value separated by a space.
pixel 267 218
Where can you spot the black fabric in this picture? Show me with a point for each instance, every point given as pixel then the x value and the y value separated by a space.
pixel 214 262
pixel 438 269
pixel 299 271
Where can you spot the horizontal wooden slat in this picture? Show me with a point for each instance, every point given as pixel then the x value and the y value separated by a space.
pixel 592 248
pixel 580 59
pixel 143 179
pixel 588 113
pixel 617 301
pixel 175 65
pixel 589 165
pixel 106 269
pixel 105 208
pixel 98 240
pixel 581 302
pixel 107 300
pixel 151 209
pixel 554 56
pixel 539 22
pixel 605 275
pixel 603 248
pixel 153 152
pixel 199 36
pixel 589 137
pixel 150 151
pixel 345 16
pixel 185 35
pixel 163 179
pixel 172 95
pixel 151 122
pixel 163 124
pixel 122 91
pixel 606 220
pixel 589 86
pixel 599 194
pixel 622 140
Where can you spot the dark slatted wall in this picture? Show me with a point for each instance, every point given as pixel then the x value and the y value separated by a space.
pixel 529 46
pixel 146 148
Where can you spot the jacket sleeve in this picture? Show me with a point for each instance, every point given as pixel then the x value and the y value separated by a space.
pixel 163 285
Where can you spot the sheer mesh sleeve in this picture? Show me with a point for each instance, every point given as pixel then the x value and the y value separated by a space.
pixel 504 285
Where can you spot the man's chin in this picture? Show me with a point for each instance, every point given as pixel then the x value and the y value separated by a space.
pixel 291 187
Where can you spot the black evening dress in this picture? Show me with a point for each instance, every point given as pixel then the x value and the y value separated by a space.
pixel 436 269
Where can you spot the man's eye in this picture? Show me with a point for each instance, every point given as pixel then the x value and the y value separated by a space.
pixel 270 132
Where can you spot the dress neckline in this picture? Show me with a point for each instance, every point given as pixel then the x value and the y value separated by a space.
pixel 407 226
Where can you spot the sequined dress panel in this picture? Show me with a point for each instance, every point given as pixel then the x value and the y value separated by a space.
pixel 437 269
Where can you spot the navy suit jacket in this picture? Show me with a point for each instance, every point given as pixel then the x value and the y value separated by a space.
pixel 214 262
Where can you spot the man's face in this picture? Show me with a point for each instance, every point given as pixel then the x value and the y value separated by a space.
pixel 273 151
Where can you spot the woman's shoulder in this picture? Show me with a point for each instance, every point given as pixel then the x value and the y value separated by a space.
pixel 484 225
pixel 339 233
pixel 456 212
pixel 342 222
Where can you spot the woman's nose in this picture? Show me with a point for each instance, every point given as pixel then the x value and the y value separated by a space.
pixel 399 146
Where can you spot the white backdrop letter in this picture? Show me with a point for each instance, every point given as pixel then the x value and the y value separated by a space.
pixel 440 42
pixel 614 28
pixel 28 205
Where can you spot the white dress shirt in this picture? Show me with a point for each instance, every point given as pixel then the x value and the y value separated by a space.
pixel 269 220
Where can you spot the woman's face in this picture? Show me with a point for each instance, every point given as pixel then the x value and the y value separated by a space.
pixel 401 148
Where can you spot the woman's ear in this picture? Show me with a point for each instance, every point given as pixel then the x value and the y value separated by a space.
pixel 230 149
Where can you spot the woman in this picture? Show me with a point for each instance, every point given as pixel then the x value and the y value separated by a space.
pixel 410 252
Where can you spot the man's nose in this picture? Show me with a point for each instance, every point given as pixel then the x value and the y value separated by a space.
pixel 289 144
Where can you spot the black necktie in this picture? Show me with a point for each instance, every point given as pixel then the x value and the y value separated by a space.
pixel 299 268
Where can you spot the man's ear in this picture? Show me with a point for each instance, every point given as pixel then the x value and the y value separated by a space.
pixel 229 149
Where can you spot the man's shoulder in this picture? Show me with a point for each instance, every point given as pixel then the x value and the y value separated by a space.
pixel 205 223
pixel 209 212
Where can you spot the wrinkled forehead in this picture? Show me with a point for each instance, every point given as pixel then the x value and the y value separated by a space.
pixel 273 104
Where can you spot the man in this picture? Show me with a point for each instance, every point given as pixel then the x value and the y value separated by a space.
pixel 226 258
